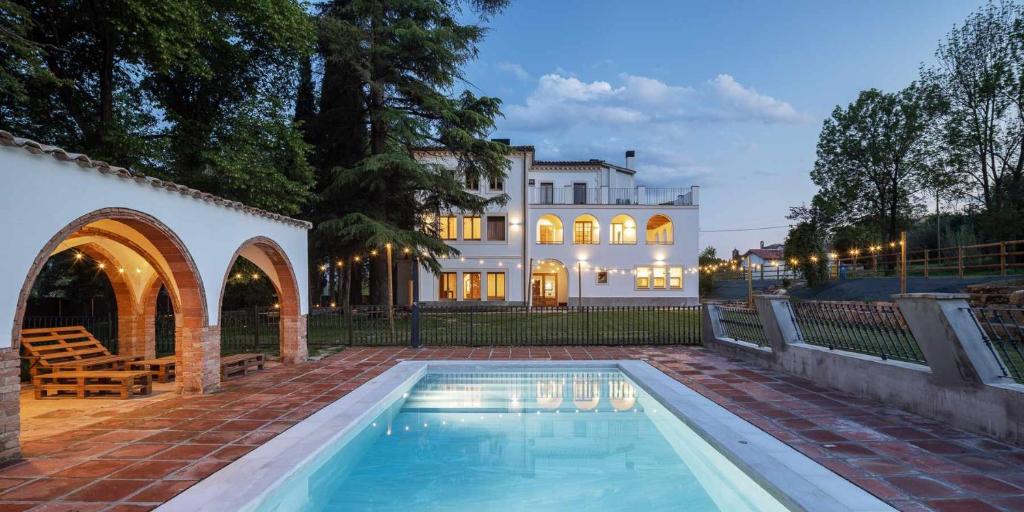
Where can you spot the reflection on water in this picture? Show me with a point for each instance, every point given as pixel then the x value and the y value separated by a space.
pixel 529 441
pixel 523 392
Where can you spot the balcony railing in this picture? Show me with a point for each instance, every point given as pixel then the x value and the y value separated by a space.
pixel 616 196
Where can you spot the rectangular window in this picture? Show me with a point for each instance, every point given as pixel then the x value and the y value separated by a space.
pixel 471 227
pixel 583 232
pixel 643 278
pixel 472 182
pixel 658 280
pixel 496 228
pixel 547 193
pixel 496 184
pixel 448 283
pixel 471 285
pixel 675 277
pixel 447 227
pixel 602 277
pixel 495 286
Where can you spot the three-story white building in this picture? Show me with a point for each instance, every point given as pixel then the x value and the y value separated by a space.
pixel 572 232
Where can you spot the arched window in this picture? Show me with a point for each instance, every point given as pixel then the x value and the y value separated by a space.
pixel 549 229
pixel 585 230
pixel 659 230
pixel 622 230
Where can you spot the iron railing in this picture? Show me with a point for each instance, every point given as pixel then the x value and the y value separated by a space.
pixel 1003 327
pixel 250 330
pixel 869 328
pixel 617 196
pixel 741 323
pixel 164 334
pixel 508 325
pixel 103 327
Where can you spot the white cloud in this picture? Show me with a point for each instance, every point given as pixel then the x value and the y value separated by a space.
pixel 561 101
pixel 749 102
pixel 515 70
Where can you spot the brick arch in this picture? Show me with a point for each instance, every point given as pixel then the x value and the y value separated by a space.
pixel 150 295
pixel 128 307
pixel 292 324
pixel 198 366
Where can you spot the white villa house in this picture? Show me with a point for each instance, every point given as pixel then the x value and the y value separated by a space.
pixel 572 232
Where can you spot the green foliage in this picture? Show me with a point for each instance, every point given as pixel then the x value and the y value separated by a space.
pixel 873 157
pixel 805 243
pixel 189 90
pixel 707 257
pixel 247 286
pixel 389 72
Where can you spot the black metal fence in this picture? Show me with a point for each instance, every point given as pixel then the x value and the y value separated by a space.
pixel 506 325
pixel 250 330
pixel 869 328
pixel 103 327
pixel 1003 327
pixel 741 323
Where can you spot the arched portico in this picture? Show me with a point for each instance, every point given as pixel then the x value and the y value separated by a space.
pixel 273 261
pixel 144 234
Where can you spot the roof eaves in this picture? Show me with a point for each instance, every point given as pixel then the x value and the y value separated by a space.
pixel 36 148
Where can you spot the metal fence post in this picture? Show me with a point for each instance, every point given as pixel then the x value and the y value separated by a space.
pixel 348 324
pixel 414 334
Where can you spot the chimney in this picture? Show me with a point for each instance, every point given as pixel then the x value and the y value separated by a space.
pixel 762 244
pixel 507 142
pixel 630 158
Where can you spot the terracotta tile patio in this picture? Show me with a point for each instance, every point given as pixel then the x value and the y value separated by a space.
pixel 136 457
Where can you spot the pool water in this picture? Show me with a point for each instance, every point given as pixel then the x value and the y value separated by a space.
pixel 523 441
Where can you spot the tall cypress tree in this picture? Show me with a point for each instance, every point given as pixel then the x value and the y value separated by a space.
pixel 404 58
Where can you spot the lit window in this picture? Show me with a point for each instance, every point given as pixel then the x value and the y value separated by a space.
pixel 496 184
pixel 471 285
pixel 447 227
pixel 549 230
pixel 448 282
pixel 585 230
pixel 495 286
pixel 602 277
pixel 496 228
pixel 471 228
pixel 643 278
pixel 659 230
pixel 675 277
pixel 659 277
pixel 623 230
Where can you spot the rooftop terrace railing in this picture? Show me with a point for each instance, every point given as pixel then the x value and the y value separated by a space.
pixel 1003 328
pixel 869 328
pixel 642 196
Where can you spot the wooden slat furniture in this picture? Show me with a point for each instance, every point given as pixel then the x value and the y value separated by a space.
pixel 161 368
pixel 72 348
pixel 240 364
pixel 93 384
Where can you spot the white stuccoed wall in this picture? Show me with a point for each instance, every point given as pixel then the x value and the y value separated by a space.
pixel 41 195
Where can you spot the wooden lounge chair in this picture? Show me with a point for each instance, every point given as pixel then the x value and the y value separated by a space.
pixel 161 368
pixel 92 384
pixel 240 364
pixel 52 349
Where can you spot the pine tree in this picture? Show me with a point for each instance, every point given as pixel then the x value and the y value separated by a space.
pixel 404 58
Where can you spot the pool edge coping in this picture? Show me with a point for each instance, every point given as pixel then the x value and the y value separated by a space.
pixel 793 478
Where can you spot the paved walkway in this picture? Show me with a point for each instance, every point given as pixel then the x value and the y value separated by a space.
pixel 136 459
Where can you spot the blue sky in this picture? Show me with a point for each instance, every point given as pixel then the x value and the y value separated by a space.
pixel 726 95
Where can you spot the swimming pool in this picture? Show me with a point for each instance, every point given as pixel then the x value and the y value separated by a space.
pixel 532 437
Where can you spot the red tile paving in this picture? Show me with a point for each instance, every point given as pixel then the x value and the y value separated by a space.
pixel 133 461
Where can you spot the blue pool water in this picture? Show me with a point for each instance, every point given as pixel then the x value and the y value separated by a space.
pixel 523 441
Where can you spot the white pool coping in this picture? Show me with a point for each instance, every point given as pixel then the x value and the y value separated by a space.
pixel 790 476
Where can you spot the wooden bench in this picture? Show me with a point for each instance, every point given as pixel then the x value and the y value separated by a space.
pixel 161 368
pixel 240 364
pixel 50 349
pixel 94 384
